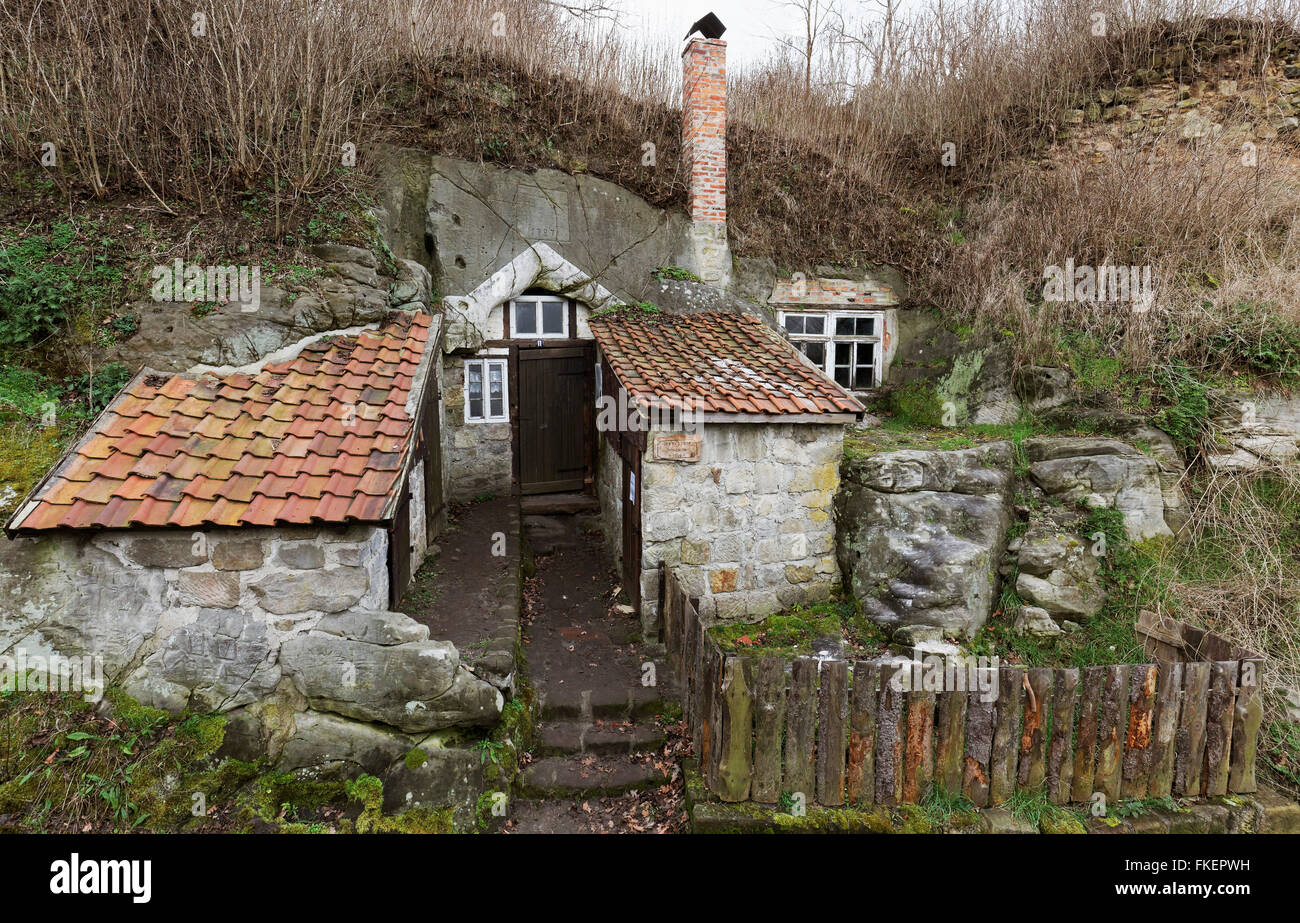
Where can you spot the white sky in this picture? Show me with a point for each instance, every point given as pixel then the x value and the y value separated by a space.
pixel 750 24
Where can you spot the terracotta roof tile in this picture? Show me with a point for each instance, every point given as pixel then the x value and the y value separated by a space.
pixel 190 512
pixel 321 438
pixel 715 363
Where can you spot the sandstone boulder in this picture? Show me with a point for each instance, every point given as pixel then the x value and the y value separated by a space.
pixel 1099 472
pixel 337 747
pixel 222 660
pixel 415 685
pixel 1031 620
pixel 922 532
pixel 1058 571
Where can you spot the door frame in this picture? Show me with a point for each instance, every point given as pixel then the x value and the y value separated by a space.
pixel 555 349
pixel 630 503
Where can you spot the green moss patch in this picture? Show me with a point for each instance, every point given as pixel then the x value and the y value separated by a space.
pixel 798 631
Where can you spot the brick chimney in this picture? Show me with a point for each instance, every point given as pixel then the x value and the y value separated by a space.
pixel 704 155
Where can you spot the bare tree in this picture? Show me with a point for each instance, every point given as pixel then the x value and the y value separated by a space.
pixel 818 18
pixel 876 37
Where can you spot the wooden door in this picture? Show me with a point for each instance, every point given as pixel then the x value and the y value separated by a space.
pixel 632 528
pixel 552 389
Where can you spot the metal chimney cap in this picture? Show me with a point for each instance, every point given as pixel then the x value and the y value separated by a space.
pixel 710 27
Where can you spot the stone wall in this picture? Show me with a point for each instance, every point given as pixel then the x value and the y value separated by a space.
pixel 749 525
pixel 477 456
pixel 142 598
pixel 284 629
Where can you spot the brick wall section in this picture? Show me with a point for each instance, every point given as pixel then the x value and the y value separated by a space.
pixel 831 292
pixel 704 127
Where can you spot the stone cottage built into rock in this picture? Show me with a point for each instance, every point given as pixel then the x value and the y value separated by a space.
pixel 725 466
pixel 205 519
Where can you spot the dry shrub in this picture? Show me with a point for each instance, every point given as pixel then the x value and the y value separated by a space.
pixel 1214 231
pixel 132 98
pixel 1238 573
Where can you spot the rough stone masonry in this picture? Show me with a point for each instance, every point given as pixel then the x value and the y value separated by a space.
pixel 748 527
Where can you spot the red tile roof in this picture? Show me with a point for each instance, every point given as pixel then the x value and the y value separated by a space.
pixel 724 363
pixel 321 438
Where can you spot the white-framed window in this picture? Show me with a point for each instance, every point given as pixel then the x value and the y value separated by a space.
pixel 539 317
pixel 845 345
pixel 486 389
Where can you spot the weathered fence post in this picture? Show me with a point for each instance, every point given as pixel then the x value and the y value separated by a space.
pixel 950 740
pixel 979 745
pixel 861 782
pixel 1033 734
pixel 891 732
pixel 1169 688
pixel 1245 728
pixel 1060 759
pixel 832 729
pixel 1111 729
pixel 1085 746
pixel 1218 727
pixel 1190 741
pixel 769 728
pixel 1002 769
pixel 735 733
pixel 1137 745
pixel 801 722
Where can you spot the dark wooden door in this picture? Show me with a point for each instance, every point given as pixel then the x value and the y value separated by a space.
pixel 552 397
pixel 632 529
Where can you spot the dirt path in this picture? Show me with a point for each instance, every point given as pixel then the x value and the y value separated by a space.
pixel 604 761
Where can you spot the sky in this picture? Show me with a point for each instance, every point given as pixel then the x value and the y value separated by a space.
pixel 751 24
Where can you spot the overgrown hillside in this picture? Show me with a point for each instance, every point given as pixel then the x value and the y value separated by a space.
pixel 975 150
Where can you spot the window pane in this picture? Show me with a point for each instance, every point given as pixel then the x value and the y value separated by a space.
pixel 794 323
pixel 474 374
pixel 553 317
pixel 496 401
pixel 525 318
pixel 864 376
pixel 815 324
pixel 844 326
pixel 844 364
pixel 815 351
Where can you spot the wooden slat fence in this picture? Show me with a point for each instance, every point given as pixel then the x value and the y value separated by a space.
pixel 837 733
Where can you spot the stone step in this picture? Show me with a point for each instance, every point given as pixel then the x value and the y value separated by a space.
pixel 562 815
pixel 560 738
pixel 551 504
pixel 573 777
pixel 605 702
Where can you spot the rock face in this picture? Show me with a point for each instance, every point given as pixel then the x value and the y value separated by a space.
pixel 1042 387
pixel 1260 430
pixel 261 626
pixel 222 660
pixel 922 533
pixel 480 217
pixel 355 669
pixel 354 289
pixel 1058 572
pixel 1032 620
pixel 1102 473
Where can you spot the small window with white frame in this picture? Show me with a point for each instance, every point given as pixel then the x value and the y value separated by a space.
pixel 846 346
pixel 539 317
pixel 486 391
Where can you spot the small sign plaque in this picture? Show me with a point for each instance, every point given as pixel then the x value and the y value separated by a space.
pixel 678 446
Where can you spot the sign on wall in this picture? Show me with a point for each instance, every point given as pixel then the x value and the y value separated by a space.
pixel 677 447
